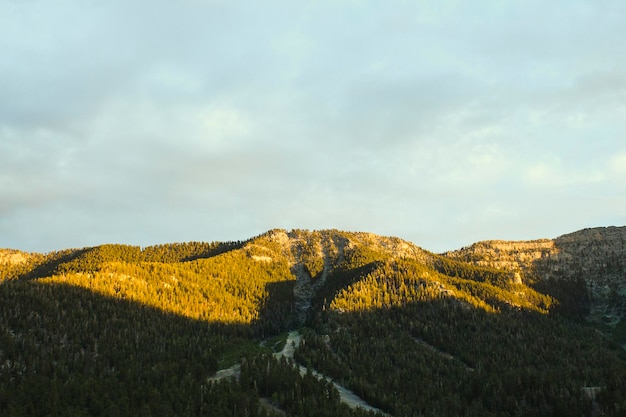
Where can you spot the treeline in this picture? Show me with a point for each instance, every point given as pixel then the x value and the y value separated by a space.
pixel 183 252
pixel 453 268
pixel 92 258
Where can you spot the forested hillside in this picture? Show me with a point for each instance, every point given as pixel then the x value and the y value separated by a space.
pixel 123 330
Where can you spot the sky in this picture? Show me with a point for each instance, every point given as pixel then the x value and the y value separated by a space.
pixel 440 122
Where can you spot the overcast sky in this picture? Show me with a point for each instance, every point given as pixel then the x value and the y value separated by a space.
pixel 441 122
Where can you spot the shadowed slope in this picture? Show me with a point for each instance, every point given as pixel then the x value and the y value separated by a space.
pixel 411 341
pixel 68 351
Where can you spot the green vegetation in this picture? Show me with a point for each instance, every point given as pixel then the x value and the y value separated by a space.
pixel 69 351
pixel 413 341
pixel 15 264
pixel 121 330
pixel 296 394
pixel 107 332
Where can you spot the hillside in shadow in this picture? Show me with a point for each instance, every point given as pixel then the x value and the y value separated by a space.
pixel 441 356
pixel 456 339
pixel 69 351
pixel 587 271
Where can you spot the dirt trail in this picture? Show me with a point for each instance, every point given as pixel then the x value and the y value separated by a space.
pixel 347 397
pixel 232 372
pixel 293 341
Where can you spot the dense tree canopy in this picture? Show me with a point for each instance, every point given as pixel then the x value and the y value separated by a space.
pixel 121 330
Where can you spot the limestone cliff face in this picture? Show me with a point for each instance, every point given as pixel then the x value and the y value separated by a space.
pixel 595 258
pixel 314 255
pixel 585 271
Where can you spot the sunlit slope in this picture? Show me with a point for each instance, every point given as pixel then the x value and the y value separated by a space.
pixel 15 264
pixel 396 283
pixel 229 287
pixel 274 275
pixel 385 271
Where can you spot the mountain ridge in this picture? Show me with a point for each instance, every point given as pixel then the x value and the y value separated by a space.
pixel 495 329
pixel 596 256
pixel 593 257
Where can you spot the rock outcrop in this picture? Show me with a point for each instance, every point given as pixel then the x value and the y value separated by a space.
pixel 585 270
pixel 592 258
pixel 315 255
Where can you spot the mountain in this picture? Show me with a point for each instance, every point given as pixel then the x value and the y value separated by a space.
pixel 585 269
pixel 495 329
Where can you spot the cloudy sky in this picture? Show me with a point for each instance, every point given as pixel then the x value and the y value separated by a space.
pixel 441 122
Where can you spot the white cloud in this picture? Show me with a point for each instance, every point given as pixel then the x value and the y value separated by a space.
pixel 617 168
pixel 142 121
pixel 222 125
pixel 552 174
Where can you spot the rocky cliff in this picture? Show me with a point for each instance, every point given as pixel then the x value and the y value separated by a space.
pixel 315 255
pixel 585 269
